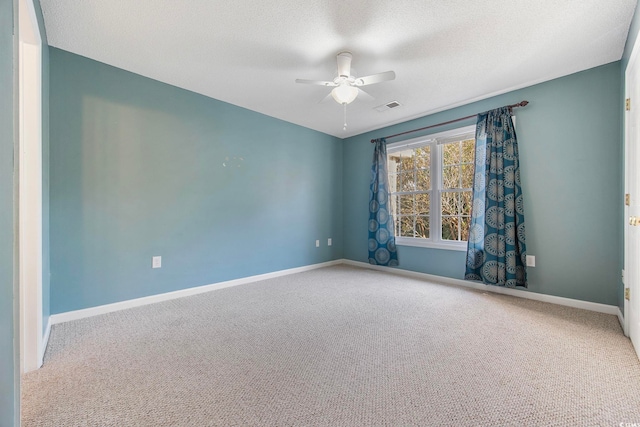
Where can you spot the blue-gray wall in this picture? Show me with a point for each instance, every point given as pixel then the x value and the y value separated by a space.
pixel 570 147
pixel 138 169
pixel 8 369
pixel 628 48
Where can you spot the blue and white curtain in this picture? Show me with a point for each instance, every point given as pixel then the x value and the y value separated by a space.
pixel 496 252
pixel 382 242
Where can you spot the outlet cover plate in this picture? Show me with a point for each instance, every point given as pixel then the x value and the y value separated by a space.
pixel 531 261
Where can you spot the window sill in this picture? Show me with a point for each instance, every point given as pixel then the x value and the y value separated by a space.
pixel 423 243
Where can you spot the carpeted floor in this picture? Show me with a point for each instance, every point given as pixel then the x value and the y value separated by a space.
pixel 339 346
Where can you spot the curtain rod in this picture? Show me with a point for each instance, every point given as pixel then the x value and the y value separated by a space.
pixel 519 104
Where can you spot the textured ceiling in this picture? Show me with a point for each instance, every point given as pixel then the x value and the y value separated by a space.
pixel 249 52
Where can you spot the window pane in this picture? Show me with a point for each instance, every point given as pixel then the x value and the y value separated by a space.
pixel 422 204
pixel 464 228
pixel 451 154
pixel 423 157
pixel 408 181
pixel 467 176
pixel 451 177
pixel 406 204
pixel 406 226
pixel 468 150
pixel 403 160
pixel 449 228
pixel 406 164
pixel 424 179
pixel 466 203
pixel 449 203
pixel 422 227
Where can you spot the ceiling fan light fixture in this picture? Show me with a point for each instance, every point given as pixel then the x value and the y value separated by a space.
pixel 344 94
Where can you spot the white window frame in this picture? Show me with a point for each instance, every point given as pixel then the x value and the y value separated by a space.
pixel 436 141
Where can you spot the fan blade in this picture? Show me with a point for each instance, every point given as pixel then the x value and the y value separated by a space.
pixel 316 82
pixel 344 64
pixel 325 99
pixel 364 96
pixel 375 78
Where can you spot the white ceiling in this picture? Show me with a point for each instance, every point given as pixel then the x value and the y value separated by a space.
pixel 249 52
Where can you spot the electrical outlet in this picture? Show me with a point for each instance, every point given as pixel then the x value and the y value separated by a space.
pixel 329 241
pixel 156 262
pixel 531 261
pixel 317 243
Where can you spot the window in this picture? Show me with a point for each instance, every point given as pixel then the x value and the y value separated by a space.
pixel 430 185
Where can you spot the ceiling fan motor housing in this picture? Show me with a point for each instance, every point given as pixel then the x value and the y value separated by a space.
pixel 344 64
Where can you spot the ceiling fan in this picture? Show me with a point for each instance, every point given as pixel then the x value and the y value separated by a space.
pixel 347 87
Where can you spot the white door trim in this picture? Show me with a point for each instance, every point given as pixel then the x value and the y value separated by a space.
pixel 30 187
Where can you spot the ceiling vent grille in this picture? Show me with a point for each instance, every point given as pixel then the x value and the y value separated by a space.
pixel 387 106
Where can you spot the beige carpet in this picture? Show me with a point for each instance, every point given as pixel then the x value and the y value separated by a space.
pixel 340 346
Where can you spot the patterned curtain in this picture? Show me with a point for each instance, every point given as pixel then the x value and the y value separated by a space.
pixel 496 252
pixel 382 242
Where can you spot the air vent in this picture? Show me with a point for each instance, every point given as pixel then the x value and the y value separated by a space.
pixel 387 106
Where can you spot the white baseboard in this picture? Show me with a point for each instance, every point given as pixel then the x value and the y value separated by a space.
pixel 123 305
pixel 45 342
pixel 585 305
pixel 137 302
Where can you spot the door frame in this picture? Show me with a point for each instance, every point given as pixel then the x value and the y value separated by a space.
pixel 627 132
pixel 29 173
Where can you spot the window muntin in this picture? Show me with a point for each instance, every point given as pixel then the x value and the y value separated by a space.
pixel 430 185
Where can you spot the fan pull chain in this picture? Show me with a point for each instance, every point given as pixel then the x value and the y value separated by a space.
pixel 345 116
